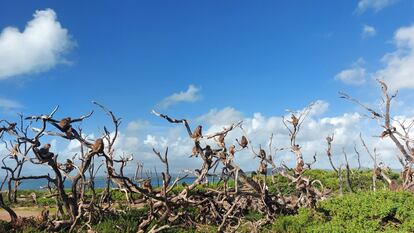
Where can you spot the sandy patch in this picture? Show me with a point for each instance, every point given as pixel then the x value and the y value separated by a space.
pixel 22 212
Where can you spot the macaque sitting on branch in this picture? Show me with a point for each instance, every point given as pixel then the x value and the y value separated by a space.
pixel 243 142
pixel 98 146
pixel 67 167
pixel 197 133
pixel 43 153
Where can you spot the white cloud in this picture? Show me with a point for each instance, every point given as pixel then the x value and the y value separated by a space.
pixel 375 5
pixel 368 31
pixel 150 140
pixel 319 107
pixel 39 47
pixel 7 104
pixel 191 95
pixel 399 65
pixel 223 116
pixel 356 75
pixel 135 126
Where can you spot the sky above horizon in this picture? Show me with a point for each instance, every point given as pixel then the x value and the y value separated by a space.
pixel 211 62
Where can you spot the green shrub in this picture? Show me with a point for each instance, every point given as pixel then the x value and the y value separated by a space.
pixel 123 222
pixel 5 226
pixel 360 212
pixel 46 201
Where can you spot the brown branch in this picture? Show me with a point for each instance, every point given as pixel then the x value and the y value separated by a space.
pixel 348 171
pixel 329 140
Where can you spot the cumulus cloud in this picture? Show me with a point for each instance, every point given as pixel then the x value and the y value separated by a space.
pixel 151 141
pixel 191 95
pixel 39 47
pixel 356 75
pixel 375 5
pixel 399 68
pixel 368 31
pixel 223 116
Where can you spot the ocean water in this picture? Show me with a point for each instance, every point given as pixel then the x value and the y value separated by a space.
pixel 100 182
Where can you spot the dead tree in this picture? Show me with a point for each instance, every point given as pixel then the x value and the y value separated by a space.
pixel 18 152
pixel 348 172
pixel 73 202
pixel 338 171
pixel 215 211
pixel 398 132
pixel 307 194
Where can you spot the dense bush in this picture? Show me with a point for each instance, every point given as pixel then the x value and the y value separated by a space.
pixel 361 180
pixel 362 212
pixel 122 222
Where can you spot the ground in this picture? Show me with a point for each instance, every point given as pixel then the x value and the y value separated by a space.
pixel 22 212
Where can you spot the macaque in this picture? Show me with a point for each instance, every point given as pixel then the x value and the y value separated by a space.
pixel 68 166
pixel 221 140
pixel 98 146
pixel 197 132
pixel 244 142
pixel 65 124
pixel 232 150
pixel 195 151
pixel 295 120
pixel 262 154
pixel 147 186
pixel 44 152
pixel 263 168
pixel 208 152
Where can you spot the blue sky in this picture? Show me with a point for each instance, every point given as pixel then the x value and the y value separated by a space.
pixel 249 56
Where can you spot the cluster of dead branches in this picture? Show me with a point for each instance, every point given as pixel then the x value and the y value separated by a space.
pixel 399 132
pixel 233 196
pixel 171 204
